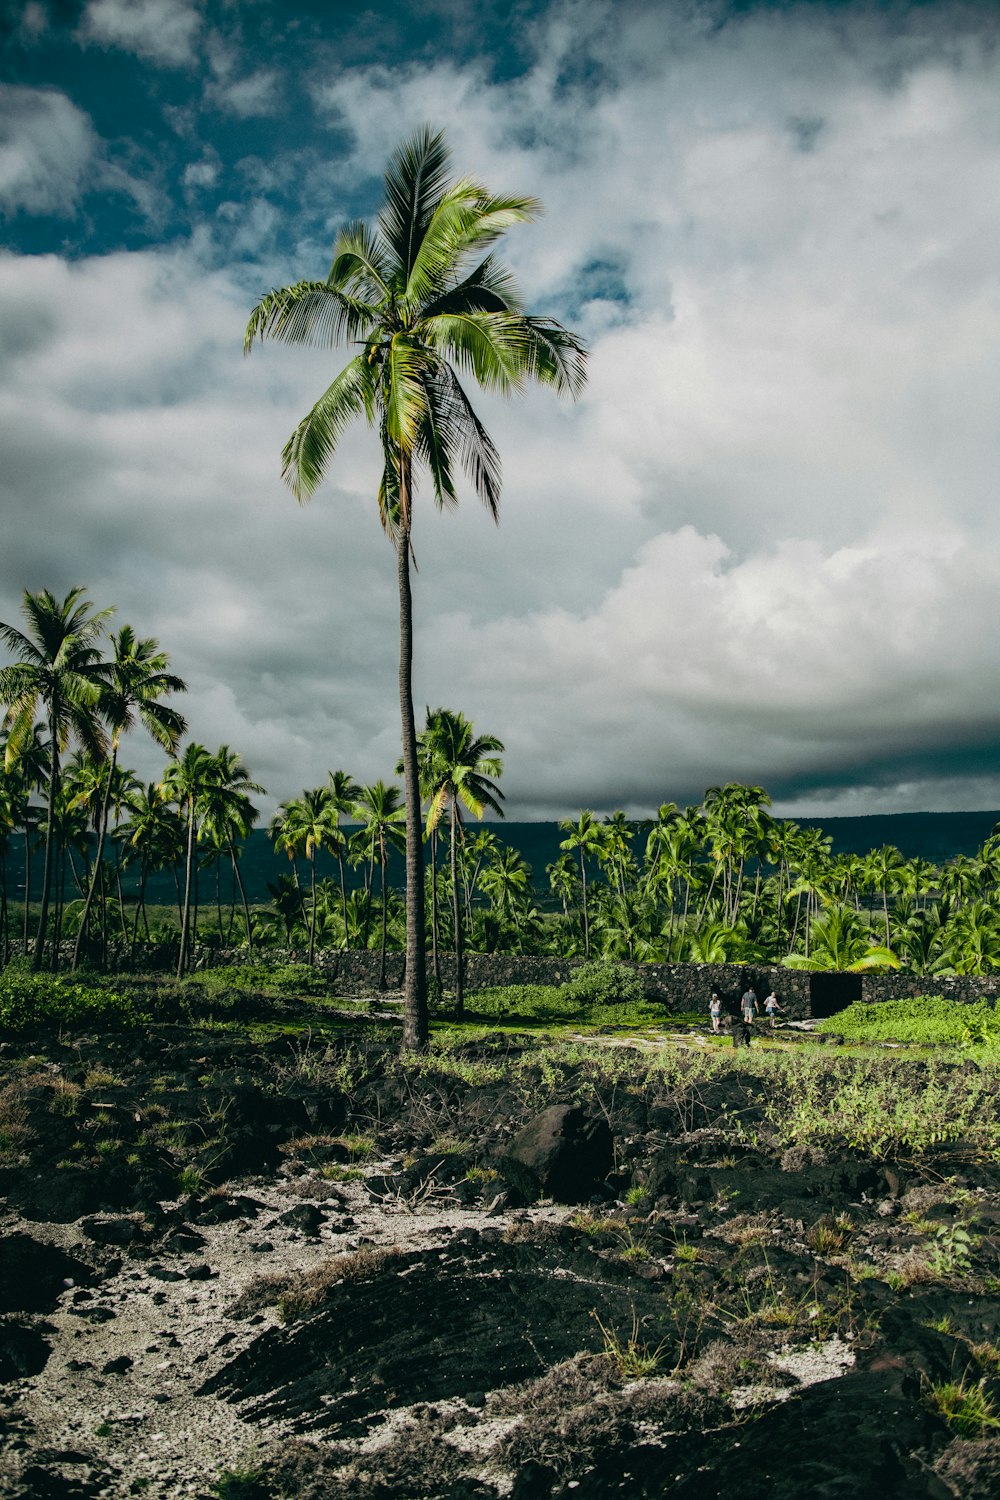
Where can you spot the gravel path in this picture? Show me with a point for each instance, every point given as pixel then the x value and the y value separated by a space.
pixel 128 1357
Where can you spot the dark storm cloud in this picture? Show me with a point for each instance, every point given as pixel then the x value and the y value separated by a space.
pixel 764 546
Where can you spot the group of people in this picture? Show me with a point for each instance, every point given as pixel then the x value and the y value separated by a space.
pixel 748 1013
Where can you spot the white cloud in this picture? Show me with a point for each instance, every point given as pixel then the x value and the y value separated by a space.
pixel 761 547
pixel 161 31
pixel 255 95
pixel 201 174
pixel 47 146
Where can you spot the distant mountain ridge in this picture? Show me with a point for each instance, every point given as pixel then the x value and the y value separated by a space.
pixel 932 836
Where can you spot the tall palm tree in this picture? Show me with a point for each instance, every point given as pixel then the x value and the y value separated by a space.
pixel 586 837
pixel 384 819
pixel 154 831
pixel 459 768
pixel 344 794
pixel 309 825
pixel 184 783
pixel 137 679
pixel 424 300
pixel 228 815
pixel 60 669
pixel 26 773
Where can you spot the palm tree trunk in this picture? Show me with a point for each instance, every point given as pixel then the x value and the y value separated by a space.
pixel 312 918
pixel 586 918
pixel 140 907
pixel 385 918
pixel 43 919
pixel 456 911
pixel 27 888
pixel 102 829
pixel 343 892
pixel 436 962
pixel 243 894
pixel 3 904
pixel 182 956
pixel 416 1030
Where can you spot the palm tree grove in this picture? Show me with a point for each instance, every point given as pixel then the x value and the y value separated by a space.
pixel 345 1149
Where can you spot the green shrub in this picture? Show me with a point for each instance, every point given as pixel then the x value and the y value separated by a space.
pixel 604 983
pixel 279 979
pixel 928 1018
pixel 31 1000
pixel 592 1003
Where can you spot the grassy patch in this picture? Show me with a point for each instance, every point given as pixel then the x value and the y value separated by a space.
pixel 926 1019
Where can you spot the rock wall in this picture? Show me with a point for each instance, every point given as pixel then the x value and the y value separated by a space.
pixel 964 987
pixel 681 987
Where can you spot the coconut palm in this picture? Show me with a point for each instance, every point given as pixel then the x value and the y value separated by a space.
pixel 344 794
pixel 60 670
pixel 184 783
pixel 459 768
pixel 423 305
pixel 228 815
pixel 309 824
pixel 137 679
pixel 384 824
pixel 154 832
pixel 26 773
pixel 839 940
pixel 585 836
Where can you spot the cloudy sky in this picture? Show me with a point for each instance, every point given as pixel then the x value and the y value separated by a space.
pixel 764 544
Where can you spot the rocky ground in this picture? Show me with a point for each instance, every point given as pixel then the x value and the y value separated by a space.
pixel 273 1269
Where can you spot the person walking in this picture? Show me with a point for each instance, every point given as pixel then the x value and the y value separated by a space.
pixel 772 1009
pixel 715 1011
pixel 749 1011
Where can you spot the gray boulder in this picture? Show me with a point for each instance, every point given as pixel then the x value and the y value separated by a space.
pixel 561 1154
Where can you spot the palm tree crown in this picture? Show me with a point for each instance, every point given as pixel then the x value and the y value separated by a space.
pixel 426 302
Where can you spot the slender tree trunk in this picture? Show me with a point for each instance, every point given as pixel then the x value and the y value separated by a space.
pixel 416 1029
pixel 312 918
pixel 3 903
pixel 436 961
pixel 102 828
pixel 43 919
pixel 456 911
pixel 586 918
pixel 343 893
pixel 385 918
pixel 27 889
pixel 243 894
pixel 182 956
pixel 139 908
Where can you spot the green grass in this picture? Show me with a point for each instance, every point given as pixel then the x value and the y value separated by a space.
pixel 926 1019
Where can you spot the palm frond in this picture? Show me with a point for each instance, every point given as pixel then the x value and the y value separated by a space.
pixel 415 181
pixel 489 288
pixel 435 445
pixel 312 444
pixel 477 453
pixel 496 348
pixel 360 265
pixel 310 312
pixel 466 221
pixel 403 396
pixel 559 358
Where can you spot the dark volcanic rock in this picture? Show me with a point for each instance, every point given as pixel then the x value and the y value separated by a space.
pixel 561 1154
pixel 432 1326
pixel 24 1350
pixel 33 1275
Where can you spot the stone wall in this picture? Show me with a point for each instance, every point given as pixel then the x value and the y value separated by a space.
pixel 964 987
pixel 681 987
